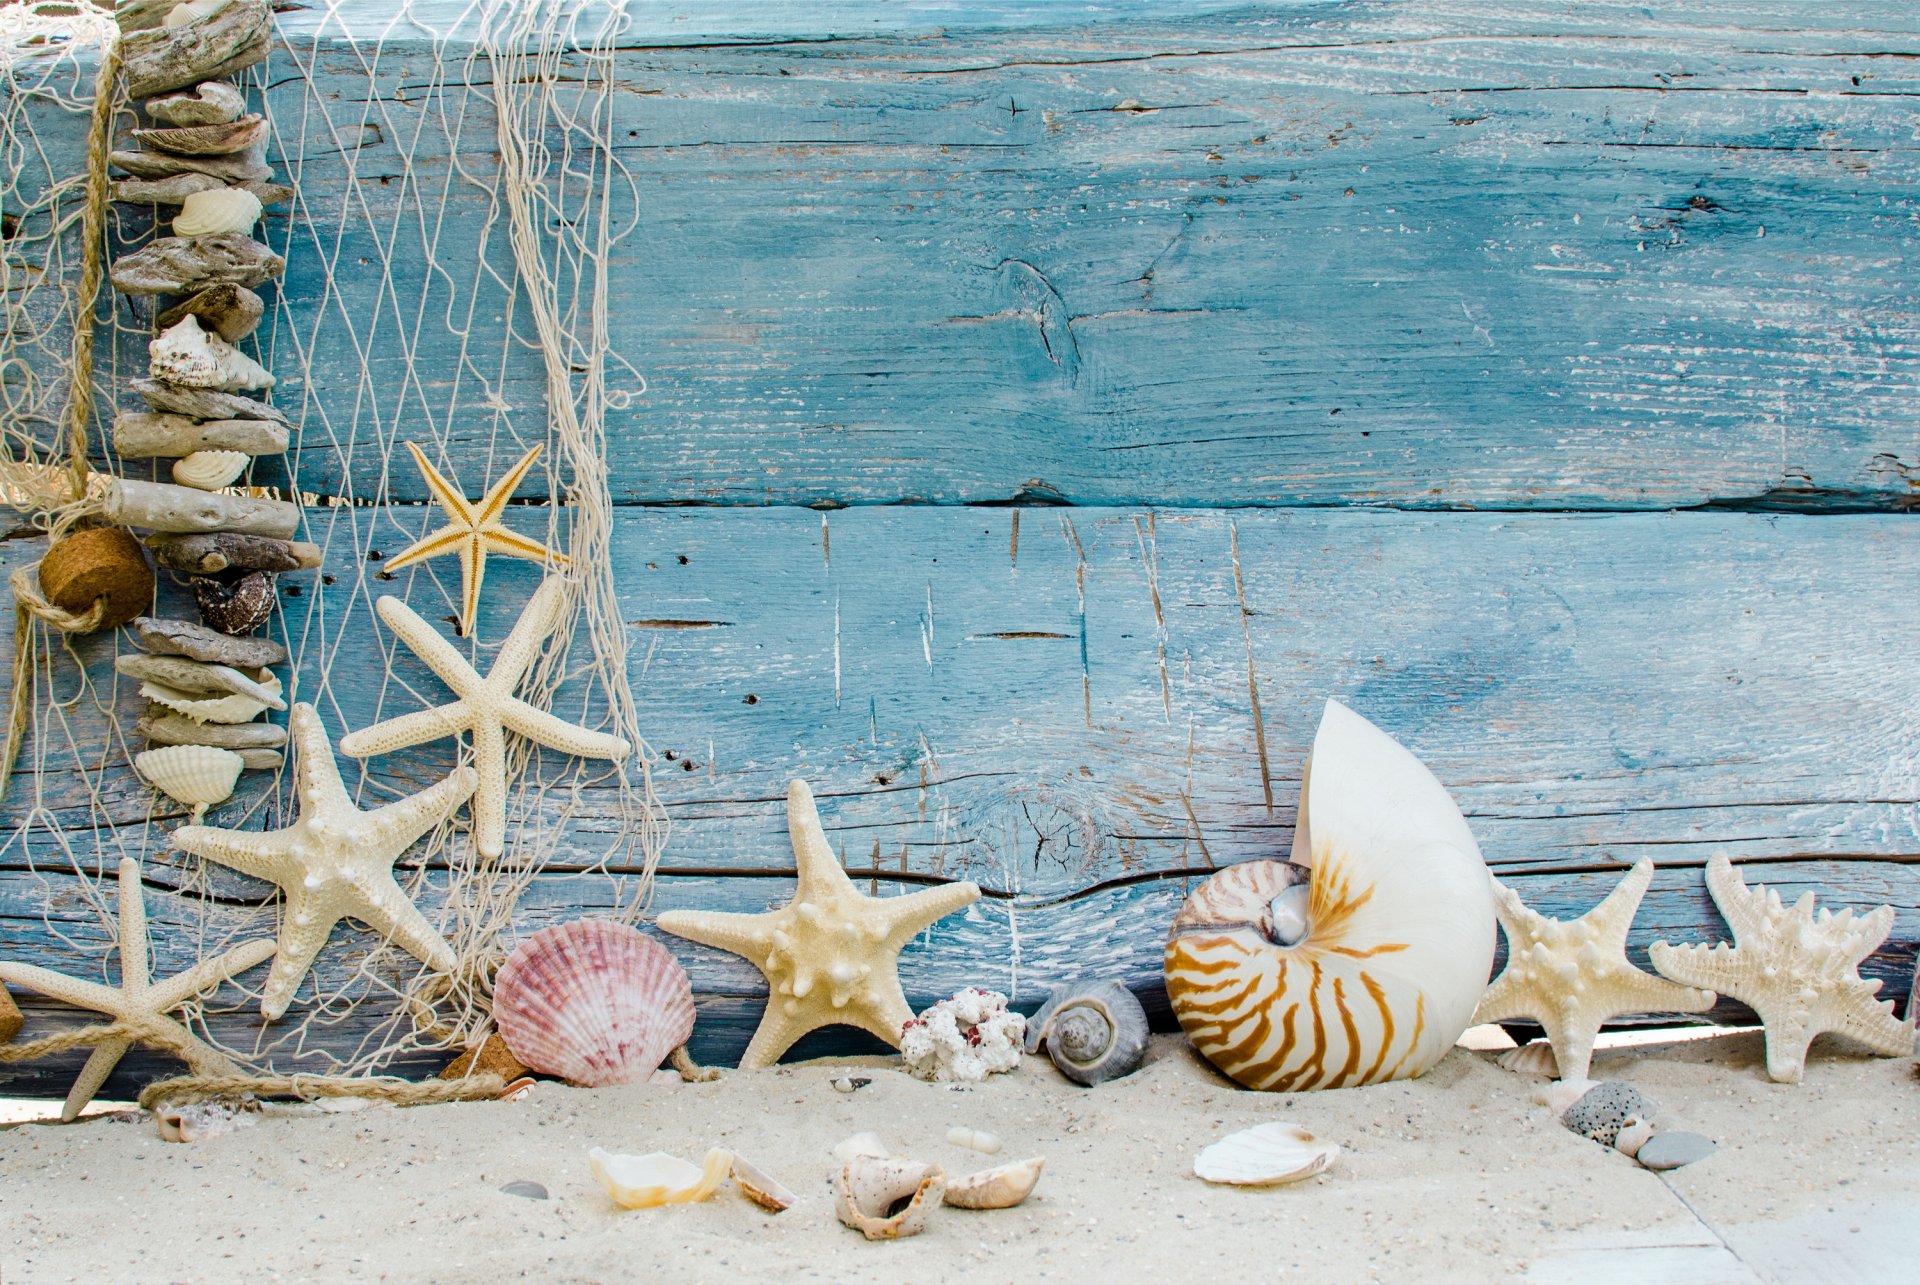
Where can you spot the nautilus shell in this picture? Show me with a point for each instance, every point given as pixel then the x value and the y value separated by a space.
pixel 1362 958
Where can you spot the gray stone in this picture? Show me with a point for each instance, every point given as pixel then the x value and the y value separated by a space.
pixel 530 1190
pixel 1671 1150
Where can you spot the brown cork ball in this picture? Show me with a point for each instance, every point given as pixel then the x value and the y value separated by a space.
pixel 491 1057
pixel 103 562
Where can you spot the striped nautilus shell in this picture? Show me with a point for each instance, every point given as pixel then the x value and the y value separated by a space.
pixel 1362 958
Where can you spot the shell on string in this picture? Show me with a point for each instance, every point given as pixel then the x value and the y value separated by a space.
pixel 1382 924
pixel 644 1182
pixel 217 211
pixel 1001 1187
pixel 196 775
pixel 886 1198
pixel 192 11
pixel 210 470
pixel 1265 1156
pixel 203 708
pixel 234 604
pixel 761 1187
pixel 593 1002
pixel 1093 1033
pixel 186 354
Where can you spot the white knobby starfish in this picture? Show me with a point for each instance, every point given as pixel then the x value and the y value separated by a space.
pixel 830 955
pixel 1572 975
pixel 1799 973
pixel 139 1005
pixel 487 708
pixel 473 530
pixel 335 862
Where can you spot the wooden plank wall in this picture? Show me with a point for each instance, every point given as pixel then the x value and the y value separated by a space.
pixel 1040 423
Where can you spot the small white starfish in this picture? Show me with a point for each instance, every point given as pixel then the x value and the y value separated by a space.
pixel 1800 974
pixel 487 708
pixel 138 1003
pixel 1571 975
pixel 335 862
pixel 473 530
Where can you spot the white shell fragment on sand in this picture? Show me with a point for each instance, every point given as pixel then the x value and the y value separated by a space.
pixel 1265 1156
pixel 762 1188
pixel 196 775
pixel 216 212
pixel 198 1121
pixel 1002 1187
pixel 210 470
pixel 860 1144
pixel 642 1182
pixel 186 354
pixel 974 1140
pixel 884 1198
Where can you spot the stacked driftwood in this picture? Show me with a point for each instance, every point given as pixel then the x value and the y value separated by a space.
pixel 197 160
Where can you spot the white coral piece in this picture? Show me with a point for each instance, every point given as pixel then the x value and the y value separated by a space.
pixel 964 1039
pixel 188 355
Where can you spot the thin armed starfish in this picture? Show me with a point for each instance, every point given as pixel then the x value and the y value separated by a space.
pixel 830 955
pixel 473 530
pixel 138 1005
pixel 1571 975
pixel 335 862
pixel 486 709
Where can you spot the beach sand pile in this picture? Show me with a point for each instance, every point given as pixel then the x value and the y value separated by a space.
pixel 1456 1176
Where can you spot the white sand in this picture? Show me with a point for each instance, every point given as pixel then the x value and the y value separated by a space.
pixel 1456 1176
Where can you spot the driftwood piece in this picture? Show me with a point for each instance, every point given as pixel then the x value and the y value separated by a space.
pixel 176 265
pixel 145 435
pixel 141 15
pixel 228 40
pixel 260 760
pixel 161 506
pixel 176 188
pixel 224 139
pixel 206 555
pixel 161 726
pixel 197 642
pixel 204 403
pixel 231 311
pixel 197 677
pixel 213 103
pixel 236 602
pixel 241 167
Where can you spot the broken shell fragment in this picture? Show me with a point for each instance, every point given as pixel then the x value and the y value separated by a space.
pixel 885 1199
pixel 217 212
pixel 210 470
pixel 199 676
pixel 760 1187
pixel 198 1121
pixel 642 1182
pixel 974 1140
pixel 1265 1156
pixel 196 775
pixel 186 354
pixel 998 1188
pixel 860 1144
pixel 214 102
pixel 202 708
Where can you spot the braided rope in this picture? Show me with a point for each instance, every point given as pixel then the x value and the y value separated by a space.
pixel 308 1088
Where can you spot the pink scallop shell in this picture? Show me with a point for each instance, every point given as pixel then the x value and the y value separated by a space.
pixel 592 1002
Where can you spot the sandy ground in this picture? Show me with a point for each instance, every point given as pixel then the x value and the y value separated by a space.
pixel 1456 1176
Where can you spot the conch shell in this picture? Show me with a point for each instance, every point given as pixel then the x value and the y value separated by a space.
pixel 1093 1033
pixel 210 470
pixel 196 775
pixel 642 1182
pixel 1002 1187
pixel 885 1198
pixel 1265 1156
pixel 1361 959
pixel 186 354
pixel 217 211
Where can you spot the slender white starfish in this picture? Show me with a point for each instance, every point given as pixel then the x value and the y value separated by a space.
pixel 1799 973
pixel 473 530
pixel 335 862
pixel 1570 975
pixel 138 1003
pixel 487 708
pixel 830 955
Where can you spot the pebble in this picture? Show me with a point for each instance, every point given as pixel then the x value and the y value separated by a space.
pixel 1671 1150
pixel 530 1190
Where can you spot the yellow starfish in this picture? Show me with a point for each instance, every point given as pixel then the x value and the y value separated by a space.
pixel 473 531
pixel 1800 974
pixel 1571 975
pixel 138 1005
pixel 830 955
pixel 334 862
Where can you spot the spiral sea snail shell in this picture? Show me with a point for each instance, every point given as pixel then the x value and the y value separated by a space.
pixel 1362 958
pixel 1093 1033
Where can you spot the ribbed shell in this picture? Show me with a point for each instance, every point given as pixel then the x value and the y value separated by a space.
pixel 1399 939
pixel 592 1002
pixel 196 775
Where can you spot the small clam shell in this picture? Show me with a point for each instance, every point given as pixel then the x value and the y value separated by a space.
pixel 210 470
pixel 1264 1156
pixel 760 1187
pixel 1535 1058
pixel 884 1198
pixel 974 1140
pixel 1093 1033
pixel 196 775
pixel 998 1188
pixel 593 1002
pixel 216 212
pixel 642 1182
pixel 1605 1109
pixel 860 1144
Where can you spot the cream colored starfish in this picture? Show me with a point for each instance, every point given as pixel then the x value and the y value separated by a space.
pixel 138 1005
pixel 830 955
pixel 1571 975
pixel 487 708
pixel 473 530
pixel 1800 974
pixel 335 862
